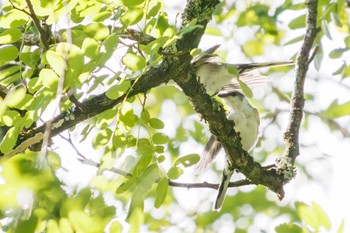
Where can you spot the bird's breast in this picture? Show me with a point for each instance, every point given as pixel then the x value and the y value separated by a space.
pixel 247 124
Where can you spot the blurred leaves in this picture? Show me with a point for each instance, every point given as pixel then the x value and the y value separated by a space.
pixel 336 110
pixel 139 136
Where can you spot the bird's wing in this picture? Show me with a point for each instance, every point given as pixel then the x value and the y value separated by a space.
pixel 206 57
pixel 209 153
pixel 252 80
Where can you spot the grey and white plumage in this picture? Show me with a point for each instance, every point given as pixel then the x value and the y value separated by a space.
pixel 213 74
pixel 247 121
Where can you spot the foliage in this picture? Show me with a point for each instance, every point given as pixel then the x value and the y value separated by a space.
pixel 57 54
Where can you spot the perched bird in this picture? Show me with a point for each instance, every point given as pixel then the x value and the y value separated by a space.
pixel 247 121
pixel 213 73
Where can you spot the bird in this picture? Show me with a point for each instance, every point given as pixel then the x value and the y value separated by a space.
pixel 247 120
pixel 216 77
pixel 214 74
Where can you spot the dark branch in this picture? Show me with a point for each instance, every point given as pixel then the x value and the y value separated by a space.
pixel 208 185
pixel 291 135
pixel 173 66
pixel 43 34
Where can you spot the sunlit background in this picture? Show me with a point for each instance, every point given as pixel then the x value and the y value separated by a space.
pixel 322 165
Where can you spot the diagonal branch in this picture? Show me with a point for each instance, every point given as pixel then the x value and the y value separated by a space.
pixel 174 66
pixel 43 34
pixel 291 135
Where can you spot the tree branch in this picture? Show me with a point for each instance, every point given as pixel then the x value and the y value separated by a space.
pixel 174 66
pixel 208 185
pixel 43 34
pixel 291 135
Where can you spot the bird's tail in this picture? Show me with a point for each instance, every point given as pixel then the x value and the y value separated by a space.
pixel 244 67
pixel 223 188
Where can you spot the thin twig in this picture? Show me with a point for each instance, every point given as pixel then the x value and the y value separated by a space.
pixel 291 135
pixel 313 55
pixel 208 185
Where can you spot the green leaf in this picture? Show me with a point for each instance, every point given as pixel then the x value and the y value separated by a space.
pixel 322 216
pixel 318 59
pixel 102 138
pixel 31 59
pixel 101 16
pixel 29 224
pixel 16 98
pixel 132 3
pixel 253 48
pixel 144 147
pixel 214 31
pixel 154 10
pixel 232 70
pixel 336 110
pixel 97 31
pixel 8 53
pixel 106 118
pixel 8 142
pixel 13 19
pixel 325 29
pixel 174 173
pixel 190 27
pixel 116 227
pixel 61 9
pixel 161 159
pixel 118 90
pixel 187 160
pixel 145 116
pixel 341 227
pixel 162 190
pixel 10 36
pixel 347 42
pixel 143 163
pixel 314 216
pixel 148 178
pixel 337 53
pixel 156 123
pixel 195 52
pixel 135 215
pixel 246 89
pixel 160 138
pixel 90 47
pixel 49 79
pixel 294 40
pixel 297 22
pixel 57 62
pixel 111 42
pixel 131 17
pixel 9 74
pixel 9 117
pixel 134 62
pixel 288 228
pixel 128 184
pixel 128 118
pixel 65 225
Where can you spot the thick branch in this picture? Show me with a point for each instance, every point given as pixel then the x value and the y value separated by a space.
pixel 176 66
pixel 291 135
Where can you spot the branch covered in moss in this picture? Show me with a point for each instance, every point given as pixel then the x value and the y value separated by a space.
pixel 174 66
